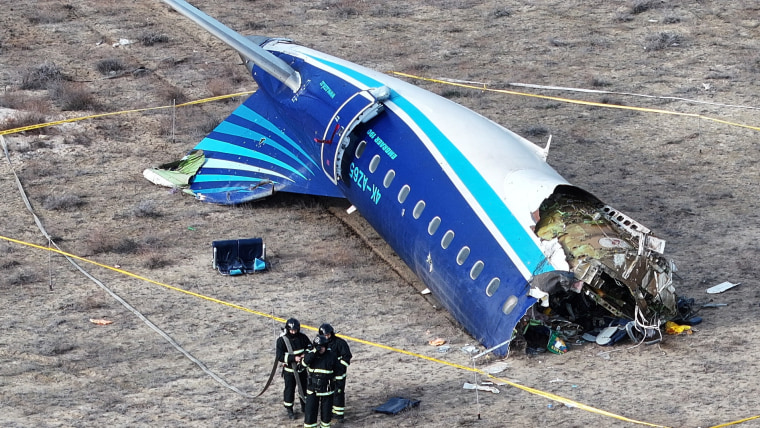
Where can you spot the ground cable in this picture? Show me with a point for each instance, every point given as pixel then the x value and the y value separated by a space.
pixel 71 257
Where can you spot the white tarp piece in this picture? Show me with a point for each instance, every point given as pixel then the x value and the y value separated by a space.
pixel 493 389
pixel 469 349
pixel 496 367
pixel 723 286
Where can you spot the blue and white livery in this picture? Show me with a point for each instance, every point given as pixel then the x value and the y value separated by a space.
pixel 472 208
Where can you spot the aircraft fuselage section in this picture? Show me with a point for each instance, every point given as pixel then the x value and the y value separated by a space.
pixel 420 203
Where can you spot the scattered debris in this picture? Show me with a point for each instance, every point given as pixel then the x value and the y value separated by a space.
pixel 469 349
pixel 687 312
pixel 100 321
pixel 437 342
pixel 425 291
pixel 444 349
pixel 675 329
pixel 396 405
pixel 714 305
pixel 723 286
pixel 239 256
pixel 122 42
pixel 556 345
pixel 496 367
pixel 606 336
pixel 488 388
pixel 177 174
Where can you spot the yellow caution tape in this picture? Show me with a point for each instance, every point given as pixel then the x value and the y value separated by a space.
pixel 483 87
pixel 568 402
pixel 94 116
pixel 551 396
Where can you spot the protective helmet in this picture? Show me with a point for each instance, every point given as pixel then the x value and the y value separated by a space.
pixel 320 341
pixel 326 329
pixel 293 324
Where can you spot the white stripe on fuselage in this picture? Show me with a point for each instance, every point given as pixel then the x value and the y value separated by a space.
pixel 463 188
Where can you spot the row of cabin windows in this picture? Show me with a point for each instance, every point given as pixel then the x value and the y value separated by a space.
pixel 435 222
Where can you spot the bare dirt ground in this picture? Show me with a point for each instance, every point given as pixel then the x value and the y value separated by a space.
pixel 693 181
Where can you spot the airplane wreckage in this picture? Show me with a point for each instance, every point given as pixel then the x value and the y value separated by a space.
pixel 472 208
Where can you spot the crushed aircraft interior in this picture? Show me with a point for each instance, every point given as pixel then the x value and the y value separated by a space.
pixel 615 267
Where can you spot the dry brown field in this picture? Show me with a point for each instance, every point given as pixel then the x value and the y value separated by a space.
pixel 691 179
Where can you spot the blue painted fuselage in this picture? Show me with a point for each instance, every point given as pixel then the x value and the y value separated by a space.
pixel 449 190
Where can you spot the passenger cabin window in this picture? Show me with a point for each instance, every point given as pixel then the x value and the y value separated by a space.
pixel 447 238
pixel 374 163
pixel 360 148
pixel 463 254
pixel 492 286
pixel 418 209
pixel 509 305
pixel 403 193
pixel 389 176
pixel 433 225
pixel 476 269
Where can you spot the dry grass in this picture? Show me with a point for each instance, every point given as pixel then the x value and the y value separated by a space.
pixel 24 119
pixel 110 66
pixel 95 301
pixel 345 8
pixel 675 184
pixel 147 209
pixel 42 77
pixel 152 38
pixel 641 6
pixel 20 100
pixel 19 275
pixel 73 96
pixel 174 95
pixel 78 139
pixel 219 86
pixel 105 241
pixel 65 202
pixel 48 17
pixel 663 40
pixel 254 26
pixel 152 259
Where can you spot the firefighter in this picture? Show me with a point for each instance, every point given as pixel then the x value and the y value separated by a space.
pixel 291 346
pixel 321 365
pixel 342 351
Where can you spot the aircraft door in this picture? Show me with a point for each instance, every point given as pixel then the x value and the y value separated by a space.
pixel 359 108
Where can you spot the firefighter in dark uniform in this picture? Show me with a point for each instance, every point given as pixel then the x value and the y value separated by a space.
pixel 321 365
pixel 298 343
pixel 342 351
